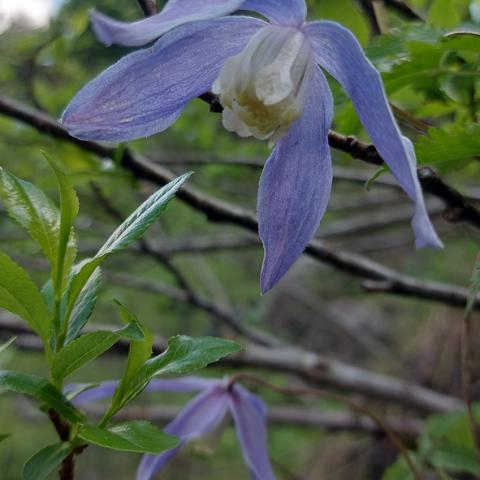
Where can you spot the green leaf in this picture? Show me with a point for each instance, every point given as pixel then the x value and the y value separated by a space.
pixel 84 305
pixel 81 351
pixel 88 347
pixel 44 462
pixel 140 351
pixel 183 355
pixel 20 295
pixel 42 390
pixel 450 145
pixel 69 206
pixel 443 14
pixel 462 40
pixel 136 436
pixel 34 211
pixel 377 174
pixel 446 442
pixel 4 436
pixel 129 231
pixel 4 346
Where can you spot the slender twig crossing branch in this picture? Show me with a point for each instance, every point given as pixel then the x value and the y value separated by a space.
pixel 386 279
pixel 317 369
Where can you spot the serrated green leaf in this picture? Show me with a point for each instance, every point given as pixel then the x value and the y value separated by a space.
pixel 449 145
pixel 69 206
pixel 136 436
pixel 42 390
pixel 183 355
pixel 5 345
pixel 129 231
pixel 20 295
pixel 46 461
pixel 34 211
pixel 84 305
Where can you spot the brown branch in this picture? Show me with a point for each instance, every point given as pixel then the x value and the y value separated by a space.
pixel 317 369
pixel 219 211
pixel 408 428
pixel 149 7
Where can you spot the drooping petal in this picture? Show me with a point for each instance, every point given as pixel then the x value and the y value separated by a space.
pixel 339 52
pixel 422 226
pixel 175 13
pixel 200 415
pixel 146 91
pixel 295 185
pixel 151 464
pixel 249 414
pixel 178 12
pixel 283 12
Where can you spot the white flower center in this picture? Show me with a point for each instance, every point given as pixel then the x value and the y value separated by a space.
pixel 263 88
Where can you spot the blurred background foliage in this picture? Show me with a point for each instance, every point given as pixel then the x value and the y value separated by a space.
pixel 434 86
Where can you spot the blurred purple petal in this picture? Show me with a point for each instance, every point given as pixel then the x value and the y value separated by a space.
pixel 104 390
pixel 181 385
pixel 249 414
pixel 145 92
pixel 340 54
pixel 283 12
pixel 200 415
pixel 295 185
pixel 151 464
pixel 175 13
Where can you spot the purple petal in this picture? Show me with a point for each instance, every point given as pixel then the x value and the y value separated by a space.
pixel 200 415
pixel 151 464
pixel 175 13
pixel 104 390
pixel 146 91
pixel 249 414
pixel 338 51
pixel 182 385
pixel 283 12
pixel 295 185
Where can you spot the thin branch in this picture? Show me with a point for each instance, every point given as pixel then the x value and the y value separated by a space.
pixel 317 369
pixel 408 428
pixel 149 7
pixel 350 404
pixel 467 381
pixel 219 211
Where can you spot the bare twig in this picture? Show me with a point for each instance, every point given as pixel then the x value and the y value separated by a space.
pixel 149 7
pixel 352 405
pixel 334 421
pixel 219 211
pixel 317 369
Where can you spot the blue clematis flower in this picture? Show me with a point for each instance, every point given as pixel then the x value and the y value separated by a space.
pixel 269 79
pixel 203 417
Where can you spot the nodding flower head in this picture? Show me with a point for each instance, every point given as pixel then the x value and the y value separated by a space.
pixel 263 88
pixel 270 81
